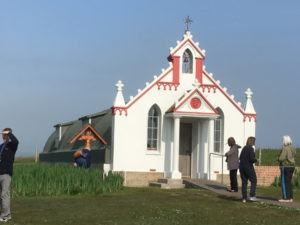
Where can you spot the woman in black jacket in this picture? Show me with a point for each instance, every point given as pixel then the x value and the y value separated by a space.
pixel 247 172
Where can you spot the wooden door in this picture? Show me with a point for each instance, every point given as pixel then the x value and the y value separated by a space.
pixel 185 149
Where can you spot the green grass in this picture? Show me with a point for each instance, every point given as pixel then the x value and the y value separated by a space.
pixel 275 192
pixel 269 157
pixel 149 206
pixel 42 179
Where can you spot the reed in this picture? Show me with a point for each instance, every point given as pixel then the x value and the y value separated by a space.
pixel 44 179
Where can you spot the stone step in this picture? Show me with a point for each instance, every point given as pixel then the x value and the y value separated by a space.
pixel 168 183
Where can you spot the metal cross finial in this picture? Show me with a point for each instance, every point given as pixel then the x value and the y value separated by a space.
pixel 188 21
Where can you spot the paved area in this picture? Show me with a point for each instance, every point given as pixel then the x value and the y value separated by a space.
pixel 222 190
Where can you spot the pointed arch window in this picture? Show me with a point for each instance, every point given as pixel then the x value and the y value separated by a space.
pixel 187 62
pixel 153 128
pixel 219 132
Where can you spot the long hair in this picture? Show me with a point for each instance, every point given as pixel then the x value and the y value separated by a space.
pixel 250 141
pixel 287 140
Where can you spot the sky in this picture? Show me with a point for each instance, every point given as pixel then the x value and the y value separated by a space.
pixel 60 59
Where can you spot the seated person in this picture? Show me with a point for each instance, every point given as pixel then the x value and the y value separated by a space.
pixel 82 158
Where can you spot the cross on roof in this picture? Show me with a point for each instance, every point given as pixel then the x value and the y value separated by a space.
pixel 119 85
pixel 249 93
pixel 187 21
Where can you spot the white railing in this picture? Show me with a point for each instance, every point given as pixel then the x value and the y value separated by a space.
pixel 209 166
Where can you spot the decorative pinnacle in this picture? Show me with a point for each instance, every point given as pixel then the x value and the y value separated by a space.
pixel 187 21
pixel 249 93
pixel 119 85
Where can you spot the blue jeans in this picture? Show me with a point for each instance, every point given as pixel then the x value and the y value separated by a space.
pixel 81 162
pixel 248 173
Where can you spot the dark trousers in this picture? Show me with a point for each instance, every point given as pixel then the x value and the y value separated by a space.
pixel 286 182
pixel 233 180
pixel 248 173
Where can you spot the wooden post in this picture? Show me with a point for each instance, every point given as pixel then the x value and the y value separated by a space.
pixel 259 163
pixel 36 154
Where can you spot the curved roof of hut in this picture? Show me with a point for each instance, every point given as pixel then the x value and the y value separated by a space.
pixel 101 121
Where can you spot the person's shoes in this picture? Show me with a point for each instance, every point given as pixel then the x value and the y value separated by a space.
pixel 244 200
pixel 285 200
pixel 253 199
pixel 5 218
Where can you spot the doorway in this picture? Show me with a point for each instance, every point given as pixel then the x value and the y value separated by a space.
pixel 185 149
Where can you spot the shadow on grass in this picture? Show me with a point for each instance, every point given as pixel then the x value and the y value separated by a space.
pixel 229 198
pixel 218 187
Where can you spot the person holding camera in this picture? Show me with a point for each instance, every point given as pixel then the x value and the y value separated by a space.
pixel 7 156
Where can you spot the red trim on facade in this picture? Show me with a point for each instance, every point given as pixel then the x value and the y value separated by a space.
pixel 187 98
pixel 228 97
pixel 167 84
pixel 195 103
pixel 191 42
pixel 152 170
pixel 239 108
pixel 250 116
pixel 176 69
pixel 199 66
pixel 199 113
pixel 144 92
pixel 120 109
pixel 208 87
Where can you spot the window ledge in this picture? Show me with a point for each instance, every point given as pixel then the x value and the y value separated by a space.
pixel 152 152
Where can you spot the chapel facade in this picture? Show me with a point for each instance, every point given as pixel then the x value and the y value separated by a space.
pixel 175 127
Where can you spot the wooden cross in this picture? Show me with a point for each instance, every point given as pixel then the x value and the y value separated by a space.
pixel 87 138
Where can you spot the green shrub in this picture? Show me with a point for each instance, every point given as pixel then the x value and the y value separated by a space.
pixel 52 180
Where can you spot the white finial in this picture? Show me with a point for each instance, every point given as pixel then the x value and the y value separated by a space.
pixel 119 100
pixel 249 108
pixel 204 67
pixel 248 93
pixel 147 83
pixel 232 97
pixel 119 85
pixel 203 51
pixel 225 89
pixel 211 74
pixel 131 97
pixel 197 43
pixel 171 49
pixel 170 64
pixel 139 90
pixel 177 42
pixel 162 70
pixel 239 104
pixel 155 77
pixel 218 82
pixel 196 83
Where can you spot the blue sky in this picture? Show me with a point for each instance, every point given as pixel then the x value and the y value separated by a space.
pixel 60 59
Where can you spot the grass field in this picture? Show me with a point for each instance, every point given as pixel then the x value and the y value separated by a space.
pixel 148 206
pixel 269 157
